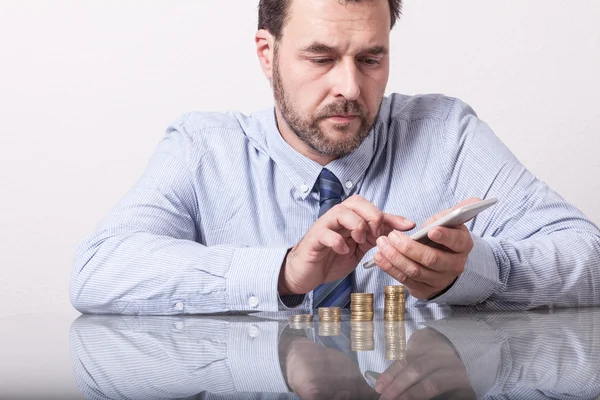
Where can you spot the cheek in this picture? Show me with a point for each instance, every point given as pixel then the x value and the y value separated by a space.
pixel 307 93
pixel 373 92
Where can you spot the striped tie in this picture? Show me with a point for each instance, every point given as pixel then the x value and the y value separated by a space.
pixel 337 293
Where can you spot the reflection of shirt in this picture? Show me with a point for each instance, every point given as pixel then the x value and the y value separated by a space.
pixel 207 226
pixel 177 357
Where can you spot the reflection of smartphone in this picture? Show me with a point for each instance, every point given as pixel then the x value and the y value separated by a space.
pixel 372 376
pixel 452 220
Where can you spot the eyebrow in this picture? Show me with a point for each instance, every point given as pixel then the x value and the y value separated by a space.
pixel 321 48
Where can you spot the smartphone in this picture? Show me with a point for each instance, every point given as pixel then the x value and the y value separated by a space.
pixel 452 220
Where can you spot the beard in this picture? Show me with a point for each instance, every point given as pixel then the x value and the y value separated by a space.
pixel 345 138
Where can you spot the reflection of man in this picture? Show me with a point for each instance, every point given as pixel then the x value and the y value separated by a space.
pixel 277 209
pixel 517 355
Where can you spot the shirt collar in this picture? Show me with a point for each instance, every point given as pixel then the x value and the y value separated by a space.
pixel 303 171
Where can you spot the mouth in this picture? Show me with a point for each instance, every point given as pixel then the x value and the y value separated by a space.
pixel 342 119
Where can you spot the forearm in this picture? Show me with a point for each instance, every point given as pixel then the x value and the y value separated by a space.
pixel 555 270
pixel 146 274
pixel 559 269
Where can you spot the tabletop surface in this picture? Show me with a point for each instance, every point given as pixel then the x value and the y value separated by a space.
pixel 456 353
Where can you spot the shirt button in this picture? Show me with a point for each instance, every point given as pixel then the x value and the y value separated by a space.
pixel 179 306
pixel 253 301
pixel 253 331
pixel 179 326
pixel 304 188
pixel 349 185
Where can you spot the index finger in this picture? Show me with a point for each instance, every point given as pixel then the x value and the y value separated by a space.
pixel 376 219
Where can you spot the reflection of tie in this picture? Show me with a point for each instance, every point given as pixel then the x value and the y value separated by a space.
pixel 337 293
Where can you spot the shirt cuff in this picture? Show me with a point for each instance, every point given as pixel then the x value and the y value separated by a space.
pixel 253 355
pixel 253 278
pixel 478 281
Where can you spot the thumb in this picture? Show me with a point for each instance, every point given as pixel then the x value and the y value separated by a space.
pixel 442 214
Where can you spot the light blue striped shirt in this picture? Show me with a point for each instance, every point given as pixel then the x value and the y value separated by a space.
pixel 207 226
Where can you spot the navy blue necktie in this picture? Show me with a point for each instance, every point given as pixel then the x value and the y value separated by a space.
pixel 337 293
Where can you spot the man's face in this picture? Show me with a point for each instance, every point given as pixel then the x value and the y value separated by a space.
pixel 330 70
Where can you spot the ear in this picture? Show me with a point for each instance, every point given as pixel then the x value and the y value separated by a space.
pixel 265 43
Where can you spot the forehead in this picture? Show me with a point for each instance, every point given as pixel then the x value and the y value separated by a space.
pixel 338 23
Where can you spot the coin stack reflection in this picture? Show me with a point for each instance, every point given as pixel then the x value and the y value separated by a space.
pixel 329 328
pixel 301 321
pixel 329 321
pixel 361 307
pixel 395 340
pixel 394 303
pixel 362 336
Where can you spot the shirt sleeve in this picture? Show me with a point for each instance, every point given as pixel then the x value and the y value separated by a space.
pixel 146 256
pixel 531 249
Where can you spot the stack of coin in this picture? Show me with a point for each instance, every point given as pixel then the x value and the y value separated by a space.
pixel 361 306
pixel 301 321
pixel 329 328
pixel 395 340
pixel 329 314
pixel 394 302
pixel 362 336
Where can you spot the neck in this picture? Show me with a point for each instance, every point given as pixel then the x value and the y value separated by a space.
pixel 297 144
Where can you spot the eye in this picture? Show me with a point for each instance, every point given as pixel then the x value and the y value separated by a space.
pixel 370 62
pixel 321 61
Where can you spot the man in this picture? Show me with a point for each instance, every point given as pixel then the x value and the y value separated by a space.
pixel 278 209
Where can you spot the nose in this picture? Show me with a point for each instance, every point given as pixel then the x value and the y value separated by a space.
pixel 347 82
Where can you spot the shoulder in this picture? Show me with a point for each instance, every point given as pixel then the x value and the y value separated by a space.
pixel 200 123
pixel 200 132
pixel 422 106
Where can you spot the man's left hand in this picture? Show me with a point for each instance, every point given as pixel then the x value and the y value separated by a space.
pixel 424 270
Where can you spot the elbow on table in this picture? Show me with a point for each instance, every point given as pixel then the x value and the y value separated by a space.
pixel 84 293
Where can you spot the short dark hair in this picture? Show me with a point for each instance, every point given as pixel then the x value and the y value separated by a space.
pixel 273 14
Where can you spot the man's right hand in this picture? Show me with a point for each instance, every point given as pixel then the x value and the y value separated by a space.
pixel 335 244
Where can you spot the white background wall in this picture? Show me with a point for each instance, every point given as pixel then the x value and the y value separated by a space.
pixel 88 87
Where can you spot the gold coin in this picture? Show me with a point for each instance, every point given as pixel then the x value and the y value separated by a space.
pixel 332 310
pixel 395 288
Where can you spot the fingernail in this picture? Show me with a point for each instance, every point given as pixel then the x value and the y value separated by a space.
pixel 395 236
pixel 364 237
pixel 436 235
pixel 379 388
pixel 383 242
